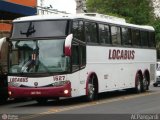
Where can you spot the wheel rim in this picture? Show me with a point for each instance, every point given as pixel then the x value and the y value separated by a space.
pixel 138 84
pixel 145 84
pixel 91 90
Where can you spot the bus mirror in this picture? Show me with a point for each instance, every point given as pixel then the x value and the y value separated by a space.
pixel 68 44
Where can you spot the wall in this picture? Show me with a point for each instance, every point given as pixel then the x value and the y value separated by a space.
pixel 11 9
pixel 30 3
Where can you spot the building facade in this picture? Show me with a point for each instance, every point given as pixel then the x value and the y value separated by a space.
pixel 81 6
pixel 11 9
pixel 156 5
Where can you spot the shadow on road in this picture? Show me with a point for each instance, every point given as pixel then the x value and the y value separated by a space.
pixel 79 100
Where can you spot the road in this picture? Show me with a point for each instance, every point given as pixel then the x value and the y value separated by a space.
pixel 118 105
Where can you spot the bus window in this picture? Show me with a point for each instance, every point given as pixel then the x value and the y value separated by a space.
pixel 126 36
pixel 75 57
pixel 40 29
pixel 136 37
pixel 151 39
pixel 15 60
pixel 82 55
pixel 144 38
pixel 78 30
pixel 104 34
pixel 116 35
pixel 91 32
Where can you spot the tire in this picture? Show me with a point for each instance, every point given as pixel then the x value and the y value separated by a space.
pixel 155 84
pixel 139 84
pixel 145 85
pixel 3 100
pixel 91 89
pixel 41 101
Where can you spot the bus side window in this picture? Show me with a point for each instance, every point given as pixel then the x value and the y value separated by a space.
pixel 116 35
pixel 135 37
pixel 152 39
pixel 82 55
pixel 104 34
pixel 126 36
pixel 75 57
pixel 78 30
pixel 91 32
pixel 144 38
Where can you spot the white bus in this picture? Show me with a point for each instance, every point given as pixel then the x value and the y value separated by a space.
pixel 54 56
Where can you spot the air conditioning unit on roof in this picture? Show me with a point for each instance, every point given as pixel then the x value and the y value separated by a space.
pixel 112 18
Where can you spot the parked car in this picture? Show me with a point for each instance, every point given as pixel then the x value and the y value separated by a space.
pixel 157 82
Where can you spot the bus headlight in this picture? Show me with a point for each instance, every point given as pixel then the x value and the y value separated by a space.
pixel 9 93
pixel 66 91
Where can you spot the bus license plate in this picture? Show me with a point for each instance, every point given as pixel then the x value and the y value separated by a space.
pixel 35 93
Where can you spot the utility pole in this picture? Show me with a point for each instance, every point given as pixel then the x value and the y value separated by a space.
pixel 156 5
pixel 81 6
pixel 42 9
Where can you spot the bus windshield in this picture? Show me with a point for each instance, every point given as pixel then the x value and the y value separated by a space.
pixel 38 56
pixel 37 29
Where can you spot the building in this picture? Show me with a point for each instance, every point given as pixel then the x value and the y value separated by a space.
pixel 81 6
pixel 11 9
pixel 156 5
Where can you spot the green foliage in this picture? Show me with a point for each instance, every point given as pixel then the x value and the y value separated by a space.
pixel 134 11
pixel 156 25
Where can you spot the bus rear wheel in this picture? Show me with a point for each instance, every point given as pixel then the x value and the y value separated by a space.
pixel 145 85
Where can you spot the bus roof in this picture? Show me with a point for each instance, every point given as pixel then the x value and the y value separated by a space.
pixel 87 16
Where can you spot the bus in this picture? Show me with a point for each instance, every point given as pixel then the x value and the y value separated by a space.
pixel 3 69
pixel 65 56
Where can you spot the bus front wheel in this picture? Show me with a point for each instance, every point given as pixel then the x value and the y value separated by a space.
pixel 91 89
pixel 41 100
pixel 3 100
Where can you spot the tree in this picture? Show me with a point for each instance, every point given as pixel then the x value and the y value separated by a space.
pixel 134 11
pixel 156 24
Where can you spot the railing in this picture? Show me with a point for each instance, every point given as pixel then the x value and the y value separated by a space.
pixel 47 10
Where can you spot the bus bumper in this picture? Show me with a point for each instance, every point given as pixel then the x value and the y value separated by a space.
pixel 41 92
